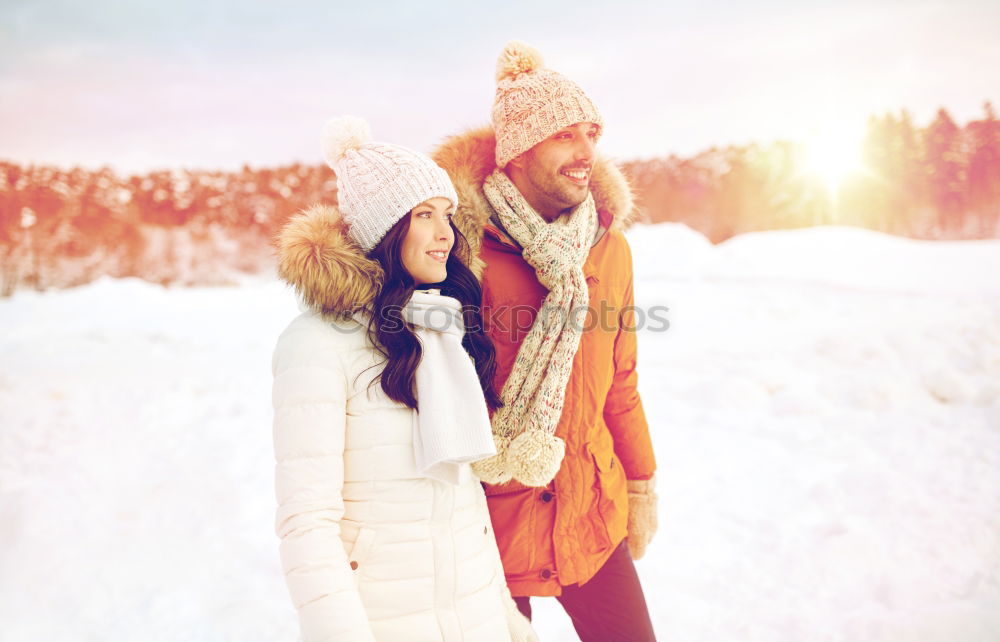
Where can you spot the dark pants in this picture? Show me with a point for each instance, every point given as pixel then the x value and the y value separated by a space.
pixel 610 607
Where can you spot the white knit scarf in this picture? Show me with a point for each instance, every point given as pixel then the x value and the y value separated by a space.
pixel 533 395
pixel 452 426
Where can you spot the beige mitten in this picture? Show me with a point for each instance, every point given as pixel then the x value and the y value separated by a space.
pixel 641 515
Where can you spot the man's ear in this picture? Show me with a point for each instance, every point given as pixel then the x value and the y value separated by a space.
pixel 517 161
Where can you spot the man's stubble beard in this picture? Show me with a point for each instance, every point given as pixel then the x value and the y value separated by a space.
pixel 563 197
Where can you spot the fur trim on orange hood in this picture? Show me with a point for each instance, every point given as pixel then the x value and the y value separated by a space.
pixel 328 270
pixel 470 157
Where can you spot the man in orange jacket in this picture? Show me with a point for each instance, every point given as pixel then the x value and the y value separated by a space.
pixel 570 490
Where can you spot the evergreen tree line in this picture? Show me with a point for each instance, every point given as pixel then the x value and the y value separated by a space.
pixel 62 228
pixel 65 228
pixel 941 181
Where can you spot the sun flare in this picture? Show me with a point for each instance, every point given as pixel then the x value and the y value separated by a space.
pixel 832 157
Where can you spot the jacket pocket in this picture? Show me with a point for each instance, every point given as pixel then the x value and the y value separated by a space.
pixel 612 493
pixel 513 486
pixel 358 556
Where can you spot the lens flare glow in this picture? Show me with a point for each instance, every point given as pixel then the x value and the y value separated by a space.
pixel 832 157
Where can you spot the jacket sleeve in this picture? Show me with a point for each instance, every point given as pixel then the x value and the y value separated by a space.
pixel 309 396
pixel 623 412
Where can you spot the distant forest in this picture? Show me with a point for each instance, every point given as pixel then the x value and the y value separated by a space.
pixel 61 228
pixel 941 181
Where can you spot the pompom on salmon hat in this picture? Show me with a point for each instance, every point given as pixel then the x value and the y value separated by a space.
pixel 378 183
pixel 533 102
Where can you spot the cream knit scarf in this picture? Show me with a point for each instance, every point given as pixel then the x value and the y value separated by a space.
pixel 524 428
pixel 452 427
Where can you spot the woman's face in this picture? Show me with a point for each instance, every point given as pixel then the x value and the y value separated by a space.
pixel 429 241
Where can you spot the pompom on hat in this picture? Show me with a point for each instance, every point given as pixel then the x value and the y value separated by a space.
pixel 533 102
pixel 378 183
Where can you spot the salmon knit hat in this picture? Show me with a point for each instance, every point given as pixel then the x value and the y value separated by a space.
pixel 532 102
pixel 378 183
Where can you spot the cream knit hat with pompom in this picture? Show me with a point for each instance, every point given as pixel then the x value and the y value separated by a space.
pixel 378 183
pixel 532 102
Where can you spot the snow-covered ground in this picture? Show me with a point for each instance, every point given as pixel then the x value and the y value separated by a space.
pixel 825 408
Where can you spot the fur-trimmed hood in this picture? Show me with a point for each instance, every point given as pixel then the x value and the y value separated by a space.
pixel 470 157
pixel 328 270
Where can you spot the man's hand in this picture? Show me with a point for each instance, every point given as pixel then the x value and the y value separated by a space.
pixel 641 515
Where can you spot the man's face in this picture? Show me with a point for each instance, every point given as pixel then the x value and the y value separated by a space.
pixel 554 175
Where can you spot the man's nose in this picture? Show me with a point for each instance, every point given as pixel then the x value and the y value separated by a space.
pixel 586 147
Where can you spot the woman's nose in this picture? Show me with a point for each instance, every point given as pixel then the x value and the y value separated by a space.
pixel 444 231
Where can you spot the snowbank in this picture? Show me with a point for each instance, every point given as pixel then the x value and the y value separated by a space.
pixel 825 407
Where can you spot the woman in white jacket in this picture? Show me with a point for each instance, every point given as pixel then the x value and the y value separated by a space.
pixel 379 409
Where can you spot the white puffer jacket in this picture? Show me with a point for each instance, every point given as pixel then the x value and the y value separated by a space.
pixel 371 550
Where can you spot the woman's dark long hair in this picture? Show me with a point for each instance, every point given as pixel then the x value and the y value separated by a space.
pixel 392 336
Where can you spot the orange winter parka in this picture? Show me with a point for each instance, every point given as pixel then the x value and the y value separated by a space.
pixel 562 534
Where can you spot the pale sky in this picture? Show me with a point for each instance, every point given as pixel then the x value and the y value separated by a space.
pixel 141 85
